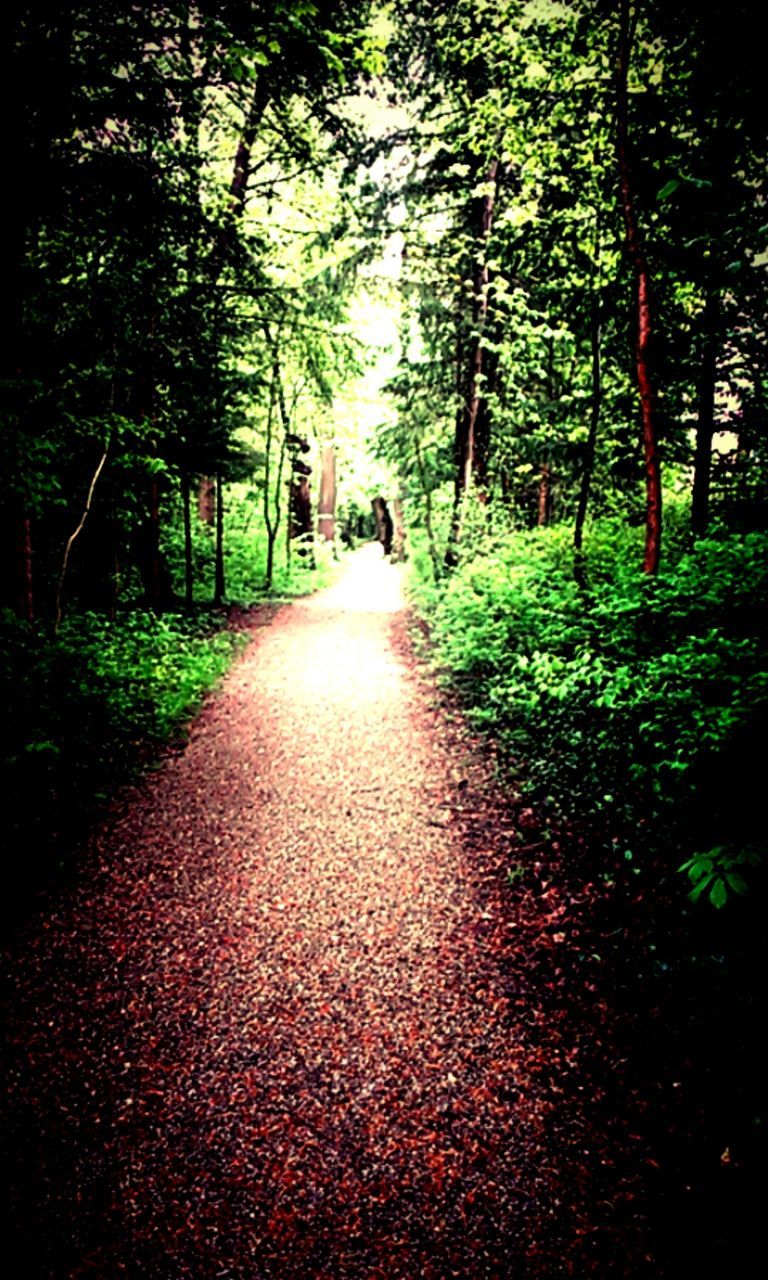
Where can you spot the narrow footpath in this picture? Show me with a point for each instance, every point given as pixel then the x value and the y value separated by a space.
pixel 278 1030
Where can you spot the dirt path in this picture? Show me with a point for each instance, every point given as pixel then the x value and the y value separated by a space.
pixel 273 1032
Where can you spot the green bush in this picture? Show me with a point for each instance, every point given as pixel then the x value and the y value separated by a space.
pixel 82 709
pixel 634 705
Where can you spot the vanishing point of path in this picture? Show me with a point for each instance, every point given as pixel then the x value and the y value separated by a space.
pixel 271 1032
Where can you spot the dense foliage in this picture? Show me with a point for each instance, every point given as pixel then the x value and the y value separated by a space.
pixel 554 353
pixel 634 711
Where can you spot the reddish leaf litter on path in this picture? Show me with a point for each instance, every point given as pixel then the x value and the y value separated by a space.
pixel 293 1022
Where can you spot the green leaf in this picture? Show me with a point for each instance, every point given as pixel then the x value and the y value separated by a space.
pixel 718 894
pixel 736 882
pixel 698 890
pixel 668 189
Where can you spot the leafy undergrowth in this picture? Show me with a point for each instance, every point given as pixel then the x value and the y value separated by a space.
pixel 83 711
pixel 634 705
pixel 306 564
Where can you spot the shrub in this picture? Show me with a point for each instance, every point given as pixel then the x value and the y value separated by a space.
pixel 633 705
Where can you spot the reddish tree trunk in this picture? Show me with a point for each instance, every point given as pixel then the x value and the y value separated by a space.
pixel 225 244
pixel 644 311
pixel 206 500
pixel 326 506
pixel 545 494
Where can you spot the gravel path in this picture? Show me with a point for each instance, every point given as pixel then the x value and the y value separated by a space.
pixel 271 1033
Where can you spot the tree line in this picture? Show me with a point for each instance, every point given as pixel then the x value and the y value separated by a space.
pixel 176 265
pixel 584 261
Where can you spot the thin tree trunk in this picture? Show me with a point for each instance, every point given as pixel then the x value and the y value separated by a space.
pixel 545 494
pixel 24 583
pixel 271 530
pixel 220 585
pixel 472 423
pixel 74 536
pixel 276 400
pixel 151 564
pixel 39 55
pixel 186 504
pixel 594 416
pixel 428 525
pixel 224 247
pixel 644 310
pixel 226 240
pixel 705 426
pixel 278 491
pixel 153 561
pixel 474 432
pixel 116 585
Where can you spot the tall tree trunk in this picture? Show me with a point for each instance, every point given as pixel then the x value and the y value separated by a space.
pixel 224 248
pixel 153 564
pixel 473 441
pixel 326 506
pixel 705 425
pixel 220 585
pixel 644 311
pixel 155 577
pixel 75 535
pixel 277 401
pixel 225 244
pixel 186 504
pixel 594 414
pixel 206 500
pixel 278 509
pixel 428 523
pixel 36 95
pixel 269 524
pixel 25 606
pixel 472 419
pixel 545 496
pixel 156 580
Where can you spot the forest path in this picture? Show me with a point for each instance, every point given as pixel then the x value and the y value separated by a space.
pixel 273 1033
